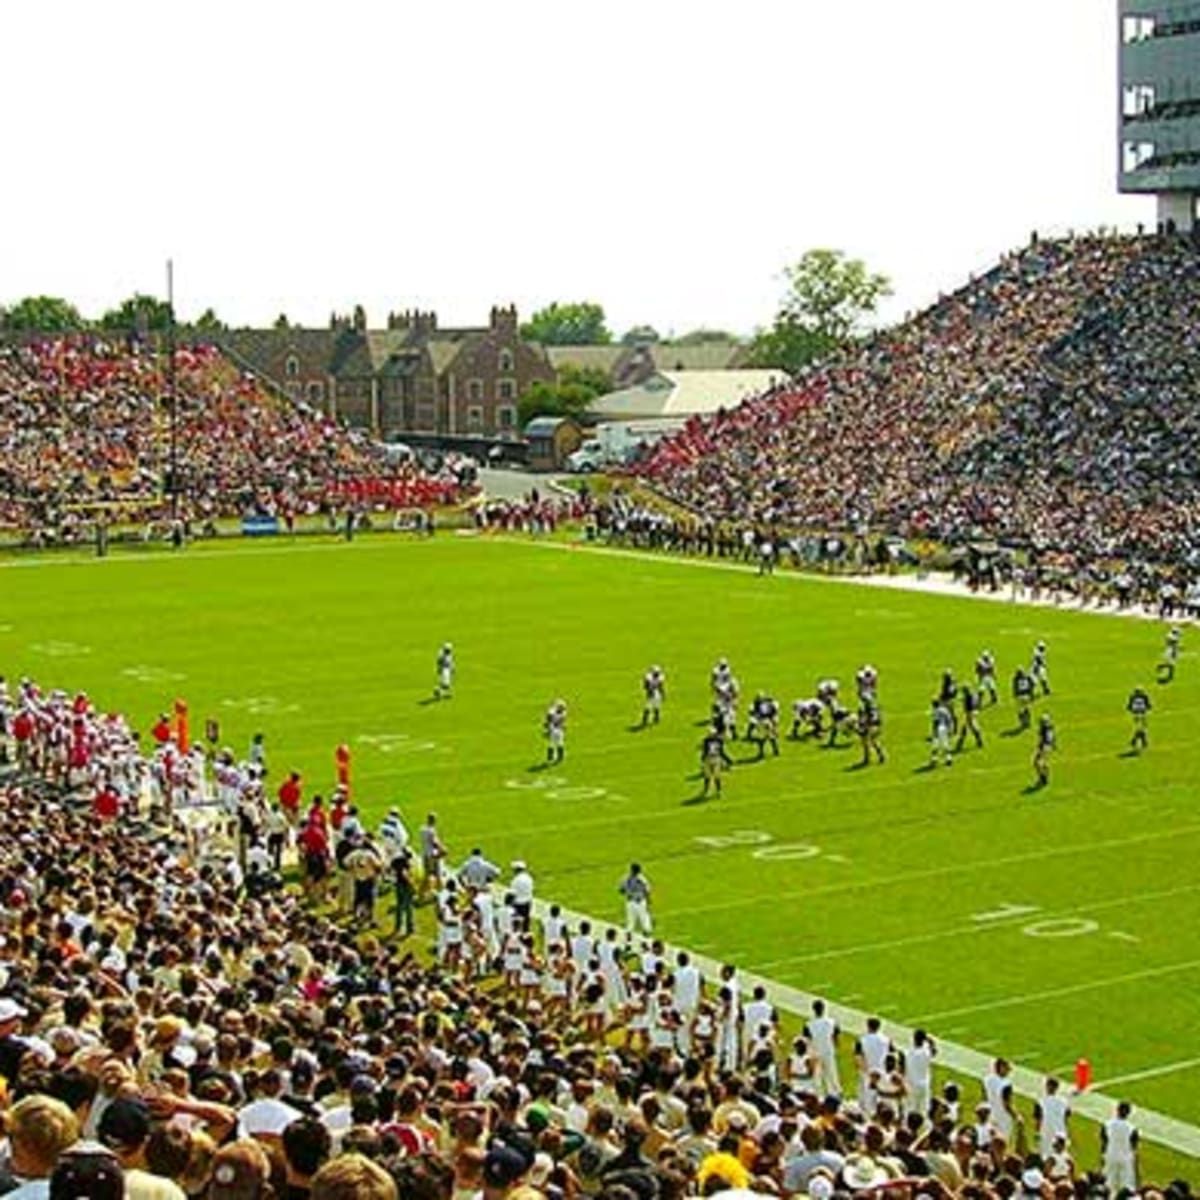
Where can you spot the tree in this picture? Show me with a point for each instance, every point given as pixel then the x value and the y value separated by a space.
pixel 702 337
pixel 209 322
pixel 568 396
pixel 640 335
pixel 48 314
pixel 574 324
pixel 828 296
pixel 281 322
pixel 140 313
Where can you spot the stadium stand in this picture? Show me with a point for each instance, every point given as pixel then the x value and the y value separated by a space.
pixel 210 1030
pixel 85 421
pixel 1049 403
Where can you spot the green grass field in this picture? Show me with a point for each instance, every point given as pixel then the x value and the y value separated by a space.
pixel 1041 925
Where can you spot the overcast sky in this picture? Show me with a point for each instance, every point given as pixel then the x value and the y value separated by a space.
pixel 664 158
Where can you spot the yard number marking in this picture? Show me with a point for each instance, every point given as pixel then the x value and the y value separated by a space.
pixel 765 848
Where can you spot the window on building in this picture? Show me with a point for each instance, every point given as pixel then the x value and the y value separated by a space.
pixel 475 418
pixel 1135 28
pixel 506 390
pixel 292 366
pixel 1135 155
pixel 423 416
pixel 475 389
pixel 316 391
pixel 506 361
pixel 506 416
pixel 1137 100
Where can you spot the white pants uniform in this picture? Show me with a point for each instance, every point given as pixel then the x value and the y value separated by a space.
pixel 637 917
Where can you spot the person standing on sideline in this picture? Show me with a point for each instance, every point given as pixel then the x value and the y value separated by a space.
pixel 822 1033
pixel 918 1071
pixel 433 851
pixel 1119 1143
pixel 520 887
pixel 404 892
pixel 636 890
pixel 1050 1115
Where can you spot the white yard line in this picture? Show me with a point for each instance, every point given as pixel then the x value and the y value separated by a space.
pixel 1096 1106
pixel 1185 1064
pixel 976 928
pixel 1055 993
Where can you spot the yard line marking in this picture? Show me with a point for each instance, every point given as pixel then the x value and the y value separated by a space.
pixel 936 872
pixel 1185 1064
pixel 1095 1105
pixel 978 928
pixel 1053 993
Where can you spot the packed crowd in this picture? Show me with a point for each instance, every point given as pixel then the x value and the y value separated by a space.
pixel 176 1020
pixel 86 420
pixel 1049 403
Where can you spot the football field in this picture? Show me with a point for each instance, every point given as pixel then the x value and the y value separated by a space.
pixel 1043 925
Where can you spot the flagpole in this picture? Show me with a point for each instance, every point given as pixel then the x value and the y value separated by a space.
pixel 172 395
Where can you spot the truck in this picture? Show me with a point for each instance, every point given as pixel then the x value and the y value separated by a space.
pixel 617 443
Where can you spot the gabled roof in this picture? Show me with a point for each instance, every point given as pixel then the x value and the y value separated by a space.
pixel 685 393
pixel 702 356
pixel 545 426
pixel 602 358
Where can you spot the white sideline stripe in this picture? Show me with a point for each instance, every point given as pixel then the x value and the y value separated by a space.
pixel 1157 1127
pixel 935 584
pixel 1025 918
pixel 939 872
pixel 1166 1069
pixel 1053 993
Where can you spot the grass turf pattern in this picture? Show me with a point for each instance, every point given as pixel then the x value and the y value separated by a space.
pixel 1044 925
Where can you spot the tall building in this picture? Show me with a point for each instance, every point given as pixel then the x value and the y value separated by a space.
pixel 1159 118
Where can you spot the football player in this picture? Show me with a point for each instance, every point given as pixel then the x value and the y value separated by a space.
pixel 554 726
pixel 1022 687
pixel 1038 670
pixel 445 672
pixel 654 689
pixel 1046 742
pixel 764 723
pixel 713 760
pixel 941 724
pixel 1139 706
pixel 985 676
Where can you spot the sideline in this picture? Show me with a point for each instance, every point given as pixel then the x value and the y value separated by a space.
pixel 936 584
pixel 1157 1127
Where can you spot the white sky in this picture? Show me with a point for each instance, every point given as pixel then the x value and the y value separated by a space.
pixel 664 158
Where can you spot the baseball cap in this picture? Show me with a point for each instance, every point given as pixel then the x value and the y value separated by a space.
pixel 124 1124
pixel 503 1166
pixel 820 1188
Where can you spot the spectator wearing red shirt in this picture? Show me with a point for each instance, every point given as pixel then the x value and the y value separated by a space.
pixel 289 797
pixel 162 730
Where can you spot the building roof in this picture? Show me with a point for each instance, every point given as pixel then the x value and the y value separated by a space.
pixel 602 358
pixel 685 393
pixel 546 426
pixel 702 356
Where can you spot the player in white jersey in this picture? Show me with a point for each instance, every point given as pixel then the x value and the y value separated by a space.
pixel 1051 1112
pixel 635 887
pixel 445 673
pixel 997 1088
pixel 554 726
pixel 720 675
pixel 866 680
pixel 1119 1142
pixel 1166 668
pixel 918 1071
pixel 822 1033
pixel 654 690
pixel 941 726
pixel 807 718
pixel 985 676
pixel 870 1052
pixel 1038 670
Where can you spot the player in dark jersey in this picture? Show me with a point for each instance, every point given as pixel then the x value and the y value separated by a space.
pixel 870 730
pixel 764 723
pixel 713 760
pixel 654 689
pixel 1022 689
pixel 972 702
pixel 1047 741
pixel 1139 706
pixel 948 695
pixel 807 718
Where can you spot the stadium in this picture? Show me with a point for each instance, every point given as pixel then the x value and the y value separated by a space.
pixel 792 792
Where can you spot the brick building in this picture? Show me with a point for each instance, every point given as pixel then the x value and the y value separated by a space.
pixel 410 377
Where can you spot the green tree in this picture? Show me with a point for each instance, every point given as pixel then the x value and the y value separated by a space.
pixel 568 396
pixel 702 337
pixel 49 314
pixel 209 322
pixel 141 313
pixel 574 324
pixel 827 298
pixel 281 322
pixel 640 335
